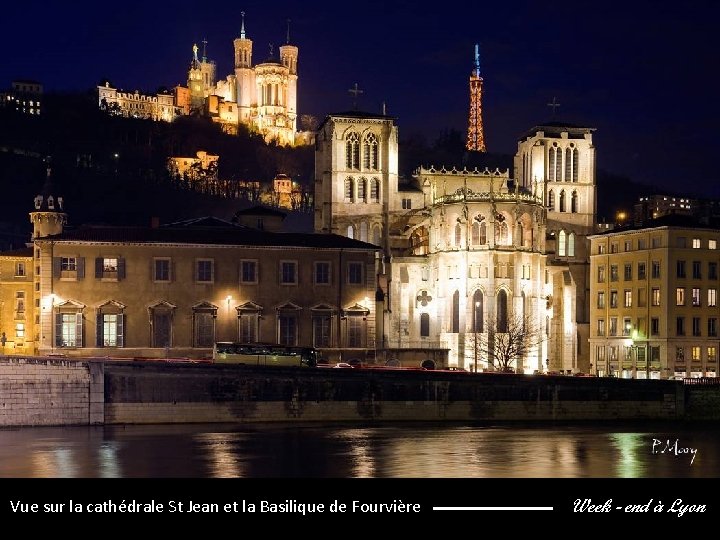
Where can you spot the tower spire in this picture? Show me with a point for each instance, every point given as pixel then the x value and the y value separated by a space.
pixel 242 25
pixel 288 32
pixel 475 135
pixel 204 57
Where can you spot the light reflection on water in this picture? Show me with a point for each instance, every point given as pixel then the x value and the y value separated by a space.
pixel 310 451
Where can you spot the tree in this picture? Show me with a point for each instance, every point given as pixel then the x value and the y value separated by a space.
pixel 502 349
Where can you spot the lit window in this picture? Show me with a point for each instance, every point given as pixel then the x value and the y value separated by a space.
pixel 601 327
pixel 712 297
pixel 680 296
pixel 696 354
pixel 68 264
pixel 628 298
pixel 655 297
pixel 601 300
pixel 712 244
pixel 696 297
pixel 20 269
pixel 613 299
pixel 696 243
pixel 20 330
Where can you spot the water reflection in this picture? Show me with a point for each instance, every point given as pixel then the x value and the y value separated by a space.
pixel 310 451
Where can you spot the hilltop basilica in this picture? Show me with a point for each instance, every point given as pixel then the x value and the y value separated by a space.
pixel 263 96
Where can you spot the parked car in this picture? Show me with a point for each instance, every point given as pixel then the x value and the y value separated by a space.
pixel 343 365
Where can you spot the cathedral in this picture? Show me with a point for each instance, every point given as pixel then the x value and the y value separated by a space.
pixel 261 96
pixel 470 258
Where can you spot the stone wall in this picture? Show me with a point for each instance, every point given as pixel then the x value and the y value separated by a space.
pixel 48 391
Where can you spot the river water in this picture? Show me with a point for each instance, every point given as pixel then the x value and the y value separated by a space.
pixel 341 451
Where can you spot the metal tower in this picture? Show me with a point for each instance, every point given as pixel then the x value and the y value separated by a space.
pixel 475 135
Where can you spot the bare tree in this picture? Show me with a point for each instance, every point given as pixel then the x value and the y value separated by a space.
pixel 503 345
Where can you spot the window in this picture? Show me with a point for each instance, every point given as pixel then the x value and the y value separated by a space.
pixel 601 249
pixel 600 353
pixel 68 264
pixel 613 272
pixel 288 274
pixel 655 296
pixel 680 326
pixel 712 327
pixel 712 297
pixel 601 327
pixel 161 320
pixel 562 201
pixel 68 329
pixel 601 274
pixel 601 300
pixel 204 317
pixel 654 326
pixel 424 325
pixel 370 152
pixel 656 269
pixel 555 163
pixel 680 355
pixel 248 272
pixel 680 266
pixel 551 201
pixel 628 245
pixel 711 354
pixel 355 273
pixel 613 299
pixel 455 328
pixel 349 189
pixel 712 244
pixel 478 312
pixel 374 190
pixel 641 270
pixel 161 269
pixel 612 353
pixel 20 302
pixel 712 270
pixel 627 326
pixel 407 204
pixel 502 312
pixel 574 202
pixel 679 296
pixel 19 330
pixel 287 327
pixel 628 298
pixel 696 354
pixel 697 273
pixel 571 245
pixel 681 242
pixel 656 242
pixel 613 326
pixel 204 270
pixel 696 243
pixel 696 327
pixel 361 189
pixel 613 247
pixel 20 269
pixel 627 276
pixel 641 243
pixel 356 330
pixel 321 328
pixel 352 151
pixel 322 273
pixel 696 297
pixel 248 323
pixel 458 235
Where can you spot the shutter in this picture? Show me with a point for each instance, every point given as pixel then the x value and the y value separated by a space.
pixel 58 329
pixel 121 330
pixel 80 267
pixel 98 267
pixel 57 266
pixel 121 268
pixel 171 269
pixel 99 334
pixel 78 330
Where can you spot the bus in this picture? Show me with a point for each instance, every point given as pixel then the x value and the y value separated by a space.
pixel 264 354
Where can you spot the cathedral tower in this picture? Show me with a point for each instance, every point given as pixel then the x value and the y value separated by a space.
pixel 475 135
pixel 289 59
pixel 48 217
pixel 244 74
pixel 195 82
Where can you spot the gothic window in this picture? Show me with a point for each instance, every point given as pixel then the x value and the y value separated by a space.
pixel 361 189
pixel 562 238
pixel 376 235
pixel 458 235
pixel 521 233
pixel 478 308
pixel 555 164
pixel 501 234
pixel 374 190
pixel 370 152
pixel 571 245
pixel 455 313
pixel 349 189
pixel 502 311
pixel 551 201
pixel 364 231
pixel 483 234
pixel 576 164
pixel 568 163
pixel 475 233
pixel 562 201
pixel 574 202
pixel 424 325
pixel 350 232
pixel 352 151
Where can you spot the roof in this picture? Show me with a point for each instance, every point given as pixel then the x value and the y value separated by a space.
pixel 357 114
pixel 21 252
pixel 186 233
pixel 681 221
pixel 260 211
pixel 555 128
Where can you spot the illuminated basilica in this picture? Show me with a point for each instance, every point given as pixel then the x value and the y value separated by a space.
pixel 262 96
pixel 467 252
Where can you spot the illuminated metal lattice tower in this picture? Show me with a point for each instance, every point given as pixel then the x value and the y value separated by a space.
pixel 475 135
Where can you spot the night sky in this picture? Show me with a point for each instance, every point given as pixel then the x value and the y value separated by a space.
pixel 644 74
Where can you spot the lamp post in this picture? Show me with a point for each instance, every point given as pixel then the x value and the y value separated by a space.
pixel 475 328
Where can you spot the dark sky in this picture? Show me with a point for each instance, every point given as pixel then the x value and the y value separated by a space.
pixel 644 74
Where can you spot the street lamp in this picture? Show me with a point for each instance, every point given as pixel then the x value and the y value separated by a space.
pixel 475 328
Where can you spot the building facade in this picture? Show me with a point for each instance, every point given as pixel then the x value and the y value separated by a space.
pixel 24 97
pixel 654 302
pixel 173 290
pixel 160 106
pixel 17 315
pixel 466 253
